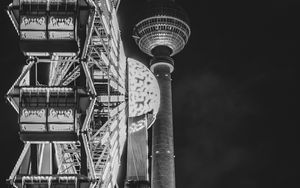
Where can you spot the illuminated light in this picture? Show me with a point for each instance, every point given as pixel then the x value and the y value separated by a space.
pixel 122 128
pixel 115 161
pixel 105 138
pixel 104 59
pixel 147 164
pixel 106 26
pixel 33 35
pixel 122 134
pixel 122 82
pixel 121 90
pixel 61 35
pixel 122 147
pixel 12 18
pixel 113 125
pixel 122 143
pixel 33 116
pixel 64 54
pixel 33 23
pixel 114 150
pixel 144 93
pixel 122 114
pixel 113 84
pixel 167 29
pixel 65 116
pixel 113 53
pixel 115 22
pixel 105 110
pixel 115 174
pixel 122 73
pixel 60 1
pixel 61 127
pixel 62 142
pixel 114 36
pixel 95 40
pixel 38 113
pixel 106 170
pixel 122 57
pixel 113 71
pixel 37 54
pixel 34 89
pixel 98 74
pixel 113 112
pixel 122 137
pixel 113 138
pixel 157 64
pixel 121 117
pixel 122 125
pixel 47 89
pixel 59 23
pixel 108 5
pixel 26 80
pixel 112 98
pixel 33 127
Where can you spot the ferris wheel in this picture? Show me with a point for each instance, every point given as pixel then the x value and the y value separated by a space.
pixel 75 119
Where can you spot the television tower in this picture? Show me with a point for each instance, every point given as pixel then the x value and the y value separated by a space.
pixel 162 33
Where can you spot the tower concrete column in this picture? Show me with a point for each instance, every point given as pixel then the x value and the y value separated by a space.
pixel 163 166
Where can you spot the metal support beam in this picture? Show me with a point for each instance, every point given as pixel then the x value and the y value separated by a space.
pixel 89 78
pixel 89 157
pixel 22 75
pixel 89 113
pixel 90 31
pixel 25 150
pixel 33 159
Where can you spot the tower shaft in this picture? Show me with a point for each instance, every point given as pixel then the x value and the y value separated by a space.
pixel 163 167
pixel 162 33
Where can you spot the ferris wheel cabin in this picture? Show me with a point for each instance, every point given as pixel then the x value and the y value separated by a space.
pixel 50 113
pixel 50 26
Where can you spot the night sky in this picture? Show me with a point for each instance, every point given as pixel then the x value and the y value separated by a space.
pixel 234 93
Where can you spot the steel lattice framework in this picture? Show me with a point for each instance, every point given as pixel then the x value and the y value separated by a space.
pixel 92 157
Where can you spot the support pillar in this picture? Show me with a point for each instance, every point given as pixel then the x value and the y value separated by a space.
pixel 163 166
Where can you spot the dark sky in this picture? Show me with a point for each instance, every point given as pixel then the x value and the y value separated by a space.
pixel 234 93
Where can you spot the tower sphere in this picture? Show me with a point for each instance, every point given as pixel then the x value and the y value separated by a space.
pixel 164 24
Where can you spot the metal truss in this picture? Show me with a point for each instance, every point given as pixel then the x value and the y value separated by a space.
pixel 103 130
